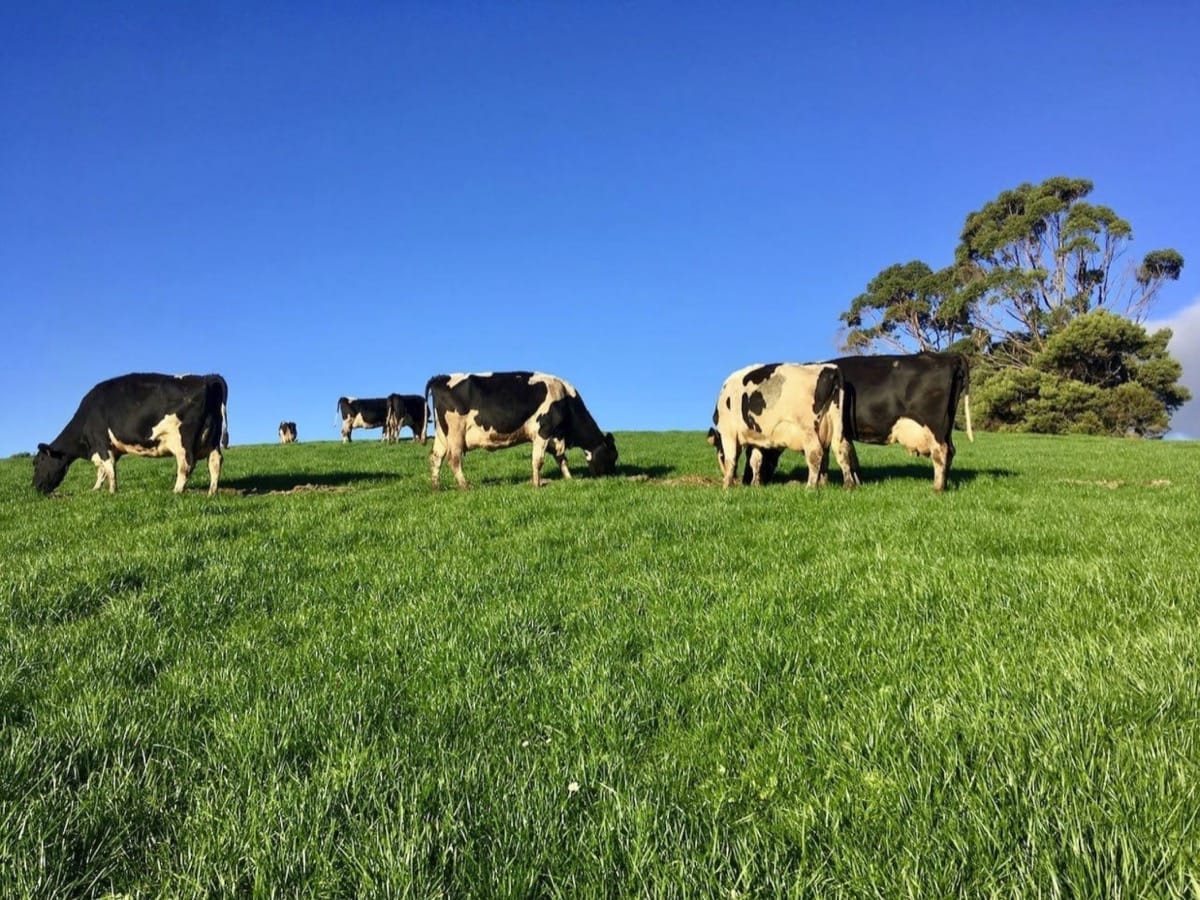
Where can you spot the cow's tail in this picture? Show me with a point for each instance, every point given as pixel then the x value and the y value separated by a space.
pixel 428 400
pixel 966 388
pixel 217 393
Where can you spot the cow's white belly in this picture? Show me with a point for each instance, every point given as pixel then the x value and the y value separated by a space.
pixel 487 439
pixel 164 440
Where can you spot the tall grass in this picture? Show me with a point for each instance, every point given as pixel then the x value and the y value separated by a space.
pixel 329 680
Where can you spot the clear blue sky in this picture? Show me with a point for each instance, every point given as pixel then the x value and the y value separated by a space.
pixel 327 199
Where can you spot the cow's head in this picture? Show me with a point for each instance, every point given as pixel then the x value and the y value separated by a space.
pixel 602 460
pixel 49 468
pixel 714 440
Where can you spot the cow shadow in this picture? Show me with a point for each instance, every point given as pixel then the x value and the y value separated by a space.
pixel 292 482
pixel 643 472
pixel 912 471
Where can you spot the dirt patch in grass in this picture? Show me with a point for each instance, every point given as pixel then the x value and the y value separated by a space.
pixel 1113 485
pixel 296 489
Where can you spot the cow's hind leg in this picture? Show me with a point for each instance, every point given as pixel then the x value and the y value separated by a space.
pixel 729 461
pixel 848 462
pixel 214 470
pixel 941 454
pixel 436 455
pixel 183 469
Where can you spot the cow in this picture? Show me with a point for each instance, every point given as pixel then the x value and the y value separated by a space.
pixel 909 400
pixel 402 410
pixel 287 432
pixel 365 413
pixel 778 405
pixel 493 410
pixel 146 414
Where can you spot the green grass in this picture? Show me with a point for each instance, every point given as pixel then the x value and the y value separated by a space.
pixel 330 681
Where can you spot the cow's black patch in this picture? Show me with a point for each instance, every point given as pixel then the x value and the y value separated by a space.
pixel 753 404
pixel 760 374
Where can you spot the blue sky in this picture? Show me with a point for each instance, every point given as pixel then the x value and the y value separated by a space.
pixel 327 199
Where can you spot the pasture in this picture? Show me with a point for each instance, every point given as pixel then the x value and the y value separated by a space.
pixel 330 681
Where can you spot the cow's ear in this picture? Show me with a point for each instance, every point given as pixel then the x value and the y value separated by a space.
pixel 610 440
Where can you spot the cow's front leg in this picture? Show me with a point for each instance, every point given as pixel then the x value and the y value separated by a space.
pixel 754 462
pixel 560 456
pixel 214 470
pixel 539 455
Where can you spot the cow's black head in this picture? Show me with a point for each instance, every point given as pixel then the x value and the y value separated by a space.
pixel 714 440
pixel 602 460
pixel 49 468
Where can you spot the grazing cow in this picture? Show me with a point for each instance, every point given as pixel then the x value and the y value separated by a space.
pixel 368 413
pixel 402 410
pixel 287 432
pixel 781 405
pixel 502 409
pixel 145 414
pixel 909 400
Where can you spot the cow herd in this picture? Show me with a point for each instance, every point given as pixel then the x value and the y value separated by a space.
pixel 812 409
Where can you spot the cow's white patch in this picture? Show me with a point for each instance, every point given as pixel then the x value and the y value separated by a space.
pixel 913 436
pixel 164 440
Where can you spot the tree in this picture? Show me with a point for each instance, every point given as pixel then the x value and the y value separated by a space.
pixel 1043 297
pixel 1039 255
pixel 908 305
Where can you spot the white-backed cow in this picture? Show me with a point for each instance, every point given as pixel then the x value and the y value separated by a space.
pixel 362 413
pixel 287 432
pixel 501 409
pixel 405 410
pixel 146 414
pixel 909 400
pixel 779 405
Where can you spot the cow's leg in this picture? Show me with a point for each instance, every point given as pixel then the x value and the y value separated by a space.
pixel 941 455
pixel 539 454
pixel 100 473
pixel 435 459
pixel 848 461
pixel 729 463
pixel 214 470
pixel 456 459
pixel 813 452
pixel 754 461
pixel 346 429
pixel 183 468
pixel 559 449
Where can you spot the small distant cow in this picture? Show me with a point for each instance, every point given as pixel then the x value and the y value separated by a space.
pixel 405 410
pixel 774 407
pixel 366 413
pixel 287 432
pixel 145 414
pixel 502 409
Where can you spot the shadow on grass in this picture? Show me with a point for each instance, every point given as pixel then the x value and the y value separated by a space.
pixel 871 474
pixel 290 482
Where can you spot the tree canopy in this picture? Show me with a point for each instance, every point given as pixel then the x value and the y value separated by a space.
pixel 1044 297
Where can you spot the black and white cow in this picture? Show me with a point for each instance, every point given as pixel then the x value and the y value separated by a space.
pixel 911 400
pixel 365 413
pixel 146 414
pixel 501 409
pixel 287 432
pixel 778 406
pixel 405 410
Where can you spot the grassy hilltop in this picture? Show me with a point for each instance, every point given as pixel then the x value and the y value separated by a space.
pixel 330 681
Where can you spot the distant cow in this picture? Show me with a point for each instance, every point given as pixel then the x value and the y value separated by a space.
pixel 405 410
pixel 145 414
pixel 367 413
pixel 502 409
pixel 287 432
pixel 780 405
